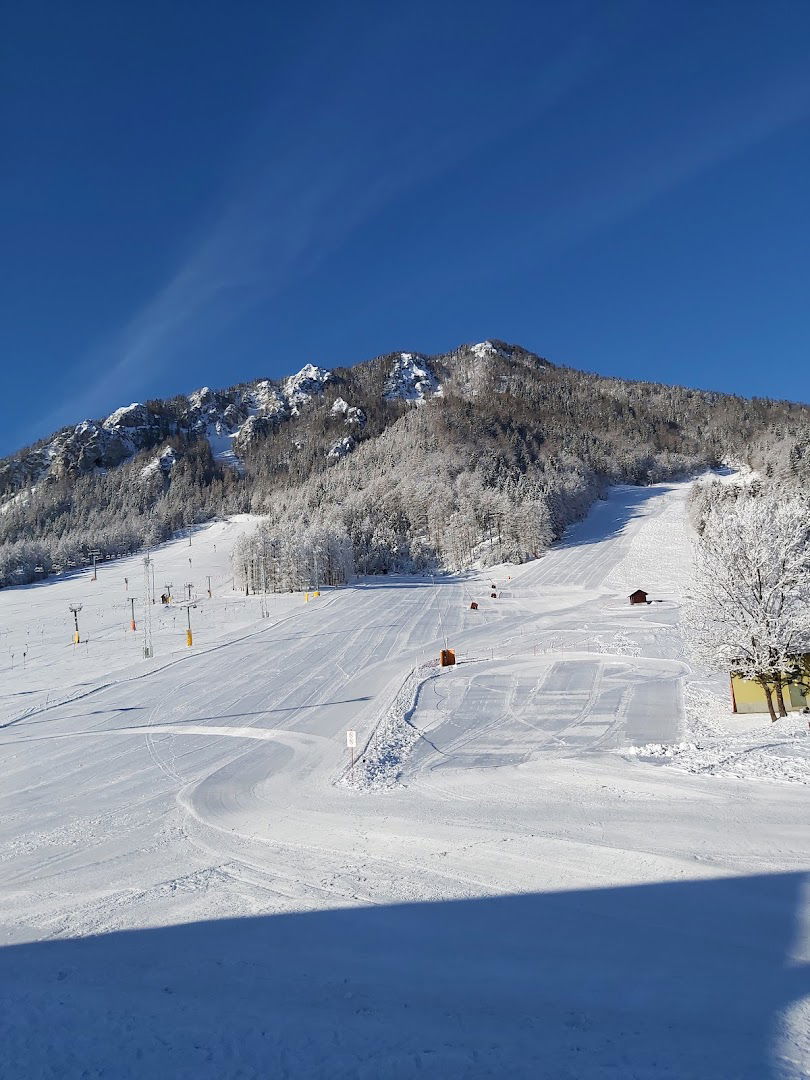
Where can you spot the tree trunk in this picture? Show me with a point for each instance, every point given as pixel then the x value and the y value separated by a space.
pixel 780 699
pixel 769 698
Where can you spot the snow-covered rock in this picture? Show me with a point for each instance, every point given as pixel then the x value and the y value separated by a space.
pixel 486 349
pixel 101 444
pixel 199 398
pixel 411 379
pixel 230 419
pixel 163 462
pixel 129 416
pixel 255 427
pixel 350 413
pixel 341 448
pixel 309 382
pixel 266 398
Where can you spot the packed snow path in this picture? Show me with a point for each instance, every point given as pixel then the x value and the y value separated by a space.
pixel 201 785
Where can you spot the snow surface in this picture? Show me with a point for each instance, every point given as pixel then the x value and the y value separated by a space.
pixel 195 883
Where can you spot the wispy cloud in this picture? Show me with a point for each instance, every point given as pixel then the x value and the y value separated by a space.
pixel 293 206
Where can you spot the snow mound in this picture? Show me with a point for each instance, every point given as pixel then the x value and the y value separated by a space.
pixel 411 379
pixel 382 759
pixel 765 751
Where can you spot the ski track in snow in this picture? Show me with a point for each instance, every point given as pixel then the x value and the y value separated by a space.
pixel 213 782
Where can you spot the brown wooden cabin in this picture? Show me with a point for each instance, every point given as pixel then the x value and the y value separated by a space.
pixel 638 597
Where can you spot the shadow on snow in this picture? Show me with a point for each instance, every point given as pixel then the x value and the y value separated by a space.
pixel 678 980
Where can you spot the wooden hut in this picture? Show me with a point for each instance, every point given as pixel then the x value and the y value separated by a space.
pixel 638 597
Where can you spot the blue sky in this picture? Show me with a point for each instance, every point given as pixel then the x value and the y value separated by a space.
pixel 201 193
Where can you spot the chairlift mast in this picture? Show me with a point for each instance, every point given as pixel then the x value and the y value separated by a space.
pixel 148 570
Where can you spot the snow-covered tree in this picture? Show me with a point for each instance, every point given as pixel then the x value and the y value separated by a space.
pixel 749 608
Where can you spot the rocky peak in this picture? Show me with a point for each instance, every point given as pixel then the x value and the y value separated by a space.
pixel 411 379
pixel 309 382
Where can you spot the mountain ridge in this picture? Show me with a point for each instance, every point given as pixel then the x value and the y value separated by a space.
pixel 107 442
pixel 511 448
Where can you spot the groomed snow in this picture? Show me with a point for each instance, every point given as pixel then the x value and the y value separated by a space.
pixel 196 884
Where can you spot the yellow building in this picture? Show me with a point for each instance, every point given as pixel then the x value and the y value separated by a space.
pixel 748 696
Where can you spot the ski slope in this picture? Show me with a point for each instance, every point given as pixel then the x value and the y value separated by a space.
pixel 188 861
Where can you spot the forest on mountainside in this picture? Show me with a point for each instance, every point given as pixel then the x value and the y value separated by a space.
pixel 492 468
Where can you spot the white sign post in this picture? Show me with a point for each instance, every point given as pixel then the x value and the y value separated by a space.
pixel 351 743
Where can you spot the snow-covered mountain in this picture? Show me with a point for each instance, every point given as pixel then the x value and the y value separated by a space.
pixel 232 419
pixel 483 452
pixel 229 419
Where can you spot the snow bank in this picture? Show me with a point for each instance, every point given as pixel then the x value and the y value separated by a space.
pixel 759 751
pixel 381 760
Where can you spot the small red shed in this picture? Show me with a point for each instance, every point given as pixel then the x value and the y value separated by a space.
pixel 638 597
